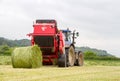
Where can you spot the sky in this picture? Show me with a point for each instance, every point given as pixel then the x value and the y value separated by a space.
pixel 97 21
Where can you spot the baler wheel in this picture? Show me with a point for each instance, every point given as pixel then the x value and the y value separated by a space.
pixel 62 60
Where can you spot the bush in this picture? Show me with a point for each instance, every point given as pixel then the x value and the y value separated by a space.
pixel 5 50
pixel 89 62
pixel 94 56
pixel 107 58
pixel 89 55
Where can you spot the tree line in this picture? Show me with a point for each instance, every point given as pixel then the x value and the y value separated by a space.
pixel 13 43
pixel 7 46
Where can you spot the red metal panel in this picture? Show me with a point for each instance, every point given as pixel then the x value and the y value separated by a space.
pixel 43 29
pixel 62 43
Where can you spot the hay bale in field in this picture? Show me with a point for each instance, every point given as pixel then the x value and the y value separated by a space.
pixel 27 57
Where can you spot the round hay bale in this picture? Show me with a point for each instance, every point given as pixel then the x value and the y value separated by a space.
pixel 27 57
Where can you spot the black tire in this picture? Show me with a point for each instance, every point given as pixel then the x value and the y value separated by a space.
pixel 70 56
pixel 62 60
pixel 80 60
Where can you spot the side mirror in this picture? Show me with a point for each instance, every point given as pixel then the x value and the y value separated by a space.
pixel 77 34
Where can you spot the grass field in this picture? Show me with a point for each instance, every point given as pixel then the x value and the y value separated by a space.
pixel 102 62
pixel 93 70
pixel 6 60
pixel 53 73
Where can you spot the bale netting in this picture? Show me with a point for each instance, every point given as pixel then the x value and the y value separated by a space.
pixel 27 57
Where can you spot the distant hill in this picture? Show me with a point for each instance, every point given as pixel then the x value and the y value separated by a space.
pixel 26 42
pixel 97 51
pixel 12 43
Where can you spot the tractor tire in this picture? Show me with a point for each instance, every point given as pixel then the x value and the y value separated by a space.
pixel 80 60
pixel 62 60
pixel 70 56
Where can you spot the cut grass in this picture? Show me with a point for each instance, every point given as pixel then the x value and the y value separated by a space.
pixel 5 60
pixel 93 70
pixel 53 73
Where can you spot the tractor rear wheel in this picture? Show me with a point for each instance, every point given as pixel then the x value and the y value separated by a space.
pixel 80 60
pixel 71 56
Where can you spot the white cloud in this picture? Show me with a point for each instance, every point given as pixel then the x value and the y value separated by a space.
pixel 97 21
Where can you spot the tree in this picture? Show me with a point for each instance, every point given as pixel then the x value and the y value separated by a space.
pixel 89 55
pixel 5 50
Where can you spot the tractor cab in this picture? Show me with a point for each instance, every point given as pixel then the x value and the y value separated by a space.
pixel 68 37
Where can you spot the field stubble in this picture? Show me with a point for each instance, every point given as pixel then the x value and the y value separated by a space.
pixel 53 73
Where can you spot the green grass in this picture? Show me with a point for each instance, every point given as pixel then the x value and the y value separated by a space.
pixel 53 73
pixel 93 70
pixel 5 60
pixel 102 62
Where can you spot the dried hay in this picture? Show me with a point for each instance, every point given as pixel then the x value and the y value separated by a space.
pixel 27 57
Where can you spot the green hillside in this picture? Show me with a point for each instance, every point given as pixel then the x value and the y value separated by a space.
pixel 12 43
pixel 96 51
pixel 26 42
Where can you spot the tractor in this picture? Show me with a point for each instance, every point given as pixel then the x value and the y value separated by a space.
pixel 57 46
